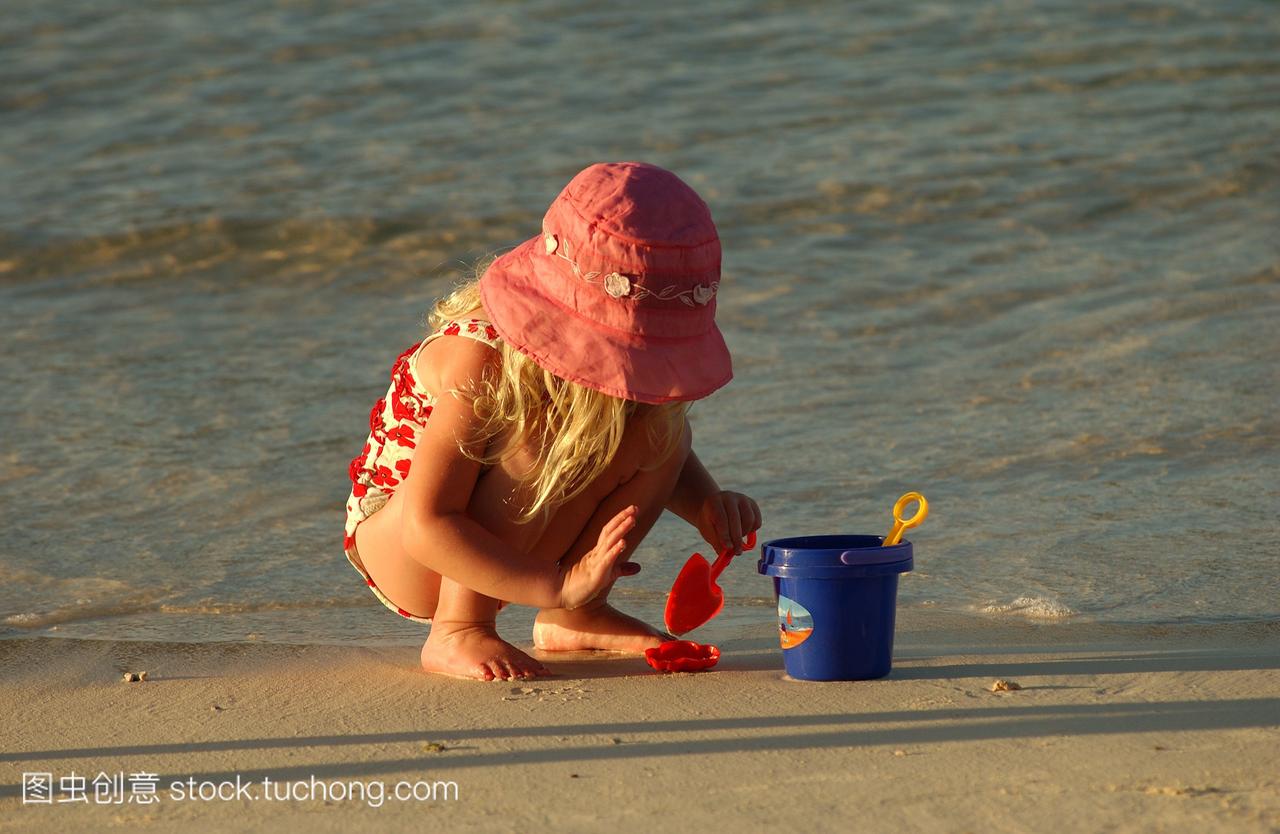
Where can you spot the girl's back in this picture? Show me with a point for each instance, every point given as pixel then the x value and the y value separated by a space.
pixel 402 412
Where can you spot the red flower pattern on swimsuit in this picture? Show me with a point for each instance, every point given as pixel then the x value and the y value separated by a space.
pixel 402 434
pixel 357 465
pixel 377 429
pixel 382 477
pixel 394 423
pixel 403 408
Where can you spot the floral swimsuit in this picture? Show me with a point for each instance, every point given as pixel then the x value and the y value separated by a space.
pixel 394 424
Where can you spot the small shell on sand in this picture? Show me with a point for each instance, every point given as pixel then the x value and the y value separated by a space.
pixel 1005 686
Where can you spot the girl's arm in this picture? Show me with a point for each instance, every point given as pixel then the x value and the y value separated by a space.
pixel 436 530
pixel 723 518
pixel 693 487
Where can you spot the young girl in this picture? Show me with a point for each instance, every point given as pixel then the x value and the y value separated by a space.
pixel 529 443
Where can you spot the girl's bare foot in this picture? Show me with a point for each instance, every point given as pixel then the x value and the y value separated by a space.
pixel 596 627
pixel 474 650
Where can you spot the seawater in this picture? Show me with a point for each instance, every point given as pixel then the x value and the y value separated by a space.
pixel 1020 256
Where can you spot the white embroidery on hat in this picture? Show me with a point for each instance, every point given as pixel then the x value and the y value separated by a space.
pixel 618 285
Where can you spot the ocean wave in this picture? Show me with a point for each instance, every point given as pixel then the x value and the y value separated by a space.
pixel 250 249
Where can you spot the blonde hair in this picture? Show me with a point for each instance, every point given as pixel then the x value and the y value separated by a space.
pixel 575 431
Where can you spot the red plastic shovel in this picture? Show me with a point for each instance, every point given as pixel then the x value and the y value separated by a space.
pixel 695 597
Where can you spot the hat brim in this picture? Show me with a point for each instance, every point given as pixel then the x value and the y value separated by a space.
pixel 647 369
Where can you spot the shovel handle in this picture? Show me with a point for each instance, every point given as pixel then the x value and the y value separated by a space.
pixel 726 556
pixel 722 561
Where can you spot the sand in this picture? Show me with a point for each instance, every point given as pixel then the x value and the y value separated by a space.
pixel 1117 729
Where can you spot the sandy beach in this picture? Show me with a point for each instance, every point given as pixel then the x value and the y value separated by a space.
pixel 1114 728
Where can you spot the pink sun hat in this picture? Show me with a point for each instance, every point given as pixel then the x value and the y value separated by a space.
pixel 618 293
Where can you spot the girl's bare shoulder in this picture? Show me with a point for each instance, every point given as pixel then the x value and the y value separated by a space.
pixel 446 364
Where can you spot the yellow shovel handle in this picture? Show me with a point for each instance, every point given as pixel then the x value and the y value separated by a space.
pixel 900 523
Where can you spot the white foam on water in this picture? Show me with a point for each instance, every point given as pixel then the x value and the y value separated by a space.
pixel 1032 608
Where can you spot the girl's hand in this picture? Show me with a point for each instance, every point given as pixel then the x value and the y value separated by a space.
pixel 725 518
pixel 586 577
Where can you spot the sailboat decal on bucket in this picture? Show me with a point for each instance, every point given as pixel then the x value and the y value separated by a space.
pixel 795 624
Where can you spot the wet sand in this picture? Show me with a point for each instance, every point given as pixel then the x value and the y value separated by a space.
pixel 1170 728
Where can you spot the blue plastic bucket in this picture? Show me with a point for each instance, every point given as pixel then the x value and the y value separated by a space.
pixel 837 599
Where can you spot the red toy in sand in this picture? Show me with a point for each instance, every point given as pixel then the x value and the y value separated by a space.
pixel 682 656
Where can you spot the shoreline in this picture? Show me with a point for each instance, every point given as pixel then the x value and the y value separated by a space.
pixel 1173 727
pixel 932 625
